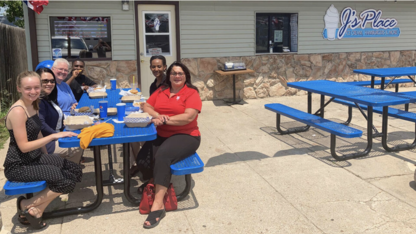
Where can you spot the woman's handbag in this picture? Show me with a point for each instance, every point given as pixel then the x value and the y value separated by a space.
pixel 170 201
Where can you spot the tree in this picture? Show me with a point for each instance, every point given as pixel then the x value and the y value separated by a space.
pixel 14 12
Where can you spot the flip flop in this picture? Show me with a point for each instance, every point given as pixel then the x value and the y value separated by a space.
pixel 20 214
pixel 152 218
pixel 35 223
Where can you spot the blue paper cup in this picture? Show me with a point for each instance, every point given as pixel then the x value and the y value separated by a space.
pixel 121 111
pixel 103 108
pixel 113 84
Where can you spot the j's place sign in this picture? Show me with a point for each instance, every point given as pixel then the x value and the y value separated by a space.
pixel 353 25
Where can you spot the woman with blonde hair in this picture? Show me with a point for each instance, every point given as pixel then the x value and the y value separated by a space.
pixel 27 159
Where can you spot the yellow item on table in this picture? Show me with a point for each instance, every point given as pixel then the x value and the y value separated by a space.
pixel 97 131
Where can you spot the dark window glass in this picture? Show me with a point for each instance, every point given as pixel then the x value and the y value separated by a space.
pixel 90 37
pixel 275 30
pixel 262 33
pixel 158 41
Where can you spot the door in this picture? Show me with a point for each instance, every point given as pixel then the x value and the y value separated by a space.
pixel 157 35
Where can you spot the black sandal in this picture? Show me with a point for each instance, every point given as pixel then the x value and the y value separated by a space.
pixel 152 218
pixel 20 214
pixel 35 223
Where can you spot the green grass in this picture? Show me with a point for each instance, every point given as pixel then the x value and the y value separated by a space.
pixel 4 134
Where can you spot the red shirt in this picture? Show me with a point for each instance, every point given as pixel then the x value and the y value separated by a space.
pixel 175 105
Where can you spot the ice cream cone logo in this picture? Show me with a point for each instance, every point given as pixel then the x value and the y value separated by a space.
pixel 331 20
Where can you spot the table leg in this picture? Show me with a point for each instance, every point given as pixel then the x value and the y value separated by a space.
pixel 234 101
pixel 414 81
pixel 372 82
pixel 382 82
pixel 98 200
pixel 369 140
pixel 126 168
pixel 309 102
pixel 384 137
pixel 234 88
pixel 111 178
pixel 322 106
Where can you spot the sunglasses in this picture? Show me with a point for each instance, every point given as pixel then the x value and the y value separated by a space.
pixel 48 81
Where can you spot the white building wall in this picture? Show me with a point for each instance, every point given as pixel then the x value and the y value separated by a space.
pixel 216 29
pixel 122 25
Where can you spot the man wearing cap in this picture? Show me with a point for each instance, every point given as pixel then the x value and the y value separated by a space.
pixel 77 80
pixel 66 98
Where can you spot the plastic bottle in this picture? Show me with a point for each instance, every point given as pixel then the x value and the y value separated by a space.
pixel 271 46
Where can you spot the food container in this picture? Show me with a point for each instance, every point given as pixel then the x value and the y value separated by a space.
pixel 134 120
pixel 130 98
pixel 77 122
pixel 97 94
pixel 111 111
pixel 77 112
pixel 131 109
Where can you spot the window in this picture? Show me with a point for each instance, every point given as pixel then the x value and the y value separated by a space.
pixel 90 37
pixel 157 32
pixel 277 32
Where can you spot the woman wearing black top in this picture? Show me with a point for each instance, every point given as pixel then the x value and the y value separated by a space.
pixel 158 67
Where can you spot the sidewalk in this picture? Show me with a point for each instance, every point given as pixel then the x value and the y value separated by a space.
pixel 257 181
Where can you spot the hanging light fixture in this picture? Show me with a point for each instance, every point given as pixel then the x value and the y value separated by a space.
pixel 125 5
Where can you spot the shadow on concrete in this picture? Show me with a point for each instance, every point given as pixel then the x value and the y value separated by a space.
pixel 412 184
pixel 317 142
pixel 227 102
pixel 227 158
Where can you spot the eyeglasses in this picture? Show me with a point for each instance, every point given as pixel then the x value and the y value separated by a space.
pixel 177 74
pixel 48 81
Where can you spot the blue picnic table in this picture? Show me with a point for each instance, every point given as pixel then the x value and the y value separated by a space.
pixel 122 135
pixel 113 97
pixel 388 72
pixel 360 96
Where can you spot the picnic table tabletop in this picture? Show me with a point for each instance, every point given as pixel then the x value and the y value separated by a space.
pixel 388 72
pixel 358 94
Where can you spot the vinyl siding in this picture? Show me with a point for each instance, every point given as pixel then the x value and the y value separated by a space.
pixel 221 29
pixel 122 25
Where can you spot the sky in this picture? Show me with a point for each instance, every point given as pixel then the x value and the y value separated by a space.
pixel 2 11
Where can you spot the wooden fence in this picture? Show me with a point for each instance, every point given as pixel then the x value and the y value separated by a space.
pixel 13 60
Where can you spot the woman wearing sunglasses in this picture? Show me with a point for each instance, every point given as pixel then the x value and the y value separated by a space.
pixel 52 116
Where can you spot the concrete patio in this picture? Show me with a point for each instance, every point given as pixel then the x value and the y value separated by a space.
pixel 257 181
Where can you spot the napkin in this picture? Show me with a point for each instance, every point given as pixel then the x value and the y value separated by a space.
pixel 97 131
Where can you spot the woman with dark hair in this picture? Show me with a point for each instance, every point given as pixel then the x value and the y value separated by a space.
pixel 27 159
pixel 174 108
pixel 158 67
pixel 51 116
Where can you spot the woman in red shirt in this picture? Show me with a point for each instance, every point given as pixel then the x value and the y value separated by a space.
pixel 174 108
